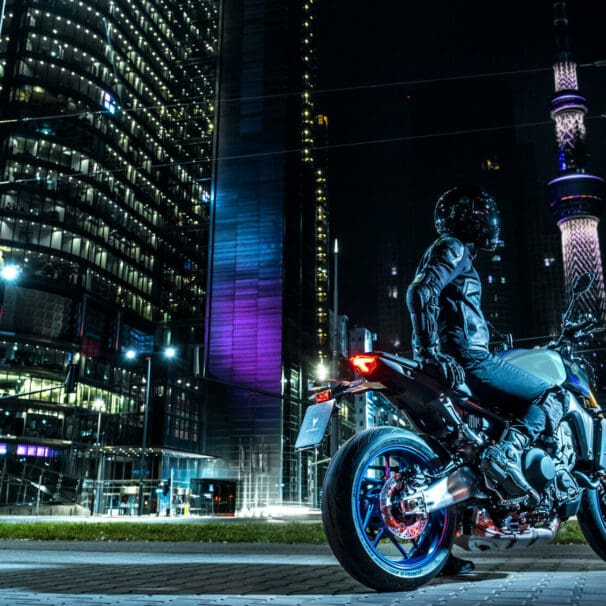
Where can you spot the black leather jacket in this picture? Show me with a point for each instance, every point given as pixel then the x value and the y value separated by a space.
pixel 444 301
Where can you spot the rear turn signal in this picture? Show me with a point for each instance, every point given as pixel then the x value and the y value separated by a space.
pixel 364 364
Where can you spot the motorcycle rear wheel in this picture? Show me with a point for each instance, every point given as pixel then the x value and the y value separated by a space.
pixel 363 537
pixel 592 518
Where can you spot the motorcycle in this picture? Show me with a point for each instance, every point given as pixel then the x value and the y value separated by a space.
pixel 395 500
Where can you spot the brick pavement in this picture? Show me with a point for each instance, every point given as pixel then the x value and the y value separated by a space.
pixel 202 574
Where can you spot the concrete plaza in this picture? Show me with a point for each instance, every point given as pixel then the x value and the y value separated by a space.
pixel 192 574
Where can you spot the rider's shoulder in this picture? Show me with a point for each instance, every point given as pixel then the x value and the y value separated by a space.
pixel 448 247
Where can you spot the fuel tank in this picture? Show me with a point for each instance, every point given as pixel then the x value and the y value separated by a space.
pixel 541 361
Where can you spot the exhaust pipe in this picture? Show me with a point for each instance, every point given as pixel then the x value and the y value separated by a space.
pixel 459 486
pixel 485 536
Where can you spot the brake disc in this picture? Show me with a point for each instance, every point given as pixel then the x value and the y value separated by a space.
pixel 404 516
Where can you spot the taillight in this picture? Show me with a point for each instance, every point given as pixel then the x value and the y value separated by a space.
pixel 323 396
pixel 364 364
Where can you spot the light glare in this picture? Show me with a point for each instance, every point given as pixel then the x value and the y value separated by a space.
pixel 10 272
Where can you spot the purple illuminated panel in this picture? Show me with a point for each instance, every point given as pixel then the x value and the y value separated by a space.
pixel 245 317
pixel 33 450
pixel 245 312
pixel 3 449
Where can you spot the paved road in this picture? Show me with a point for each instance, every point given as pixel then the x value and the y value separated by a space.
pixel 194 574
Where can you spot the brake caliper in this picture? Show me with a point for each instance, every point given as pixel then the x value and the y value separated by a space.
pixel 404 517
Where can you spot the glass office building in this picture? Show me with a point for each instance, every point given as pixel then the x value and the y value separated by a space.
pixel 106 137
pixel 268 323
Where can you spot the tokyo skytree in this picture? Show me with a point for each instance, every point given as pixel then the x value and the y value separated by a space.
pixel 575 195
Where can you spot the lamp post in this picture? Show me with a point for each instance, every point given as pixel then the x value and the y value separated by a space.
pixel 99 405
pixel 169 352
pixel 334 422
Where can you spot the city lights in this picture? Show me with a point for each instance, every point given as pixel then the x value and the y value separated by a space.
pixel 105 202
pixel 10 272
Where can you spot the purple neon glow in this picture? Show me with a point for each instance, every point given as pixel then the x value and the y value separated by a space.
pixel 576 99
pixel 3 449
pixel 575 177
pixel 245 312
pixel 32 450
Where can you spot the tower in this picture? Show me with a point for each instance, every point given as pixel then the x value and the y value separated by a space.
pixel 575 195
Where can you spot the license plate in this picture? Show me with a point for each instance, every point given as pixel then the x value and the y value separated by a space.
pixel 314 425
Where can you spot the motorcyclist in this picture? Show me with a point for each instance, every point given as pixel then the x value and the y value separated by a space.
pixel 451 335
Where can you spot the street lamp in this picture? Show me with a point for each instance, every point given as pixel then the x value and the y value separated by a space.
pixel 321 371
pixel 9 272
pixel 334 422
pixel 169 352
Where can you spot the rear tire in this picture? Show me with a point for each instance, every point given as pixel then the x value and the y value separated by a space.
pixel 592 518
pixel 358 531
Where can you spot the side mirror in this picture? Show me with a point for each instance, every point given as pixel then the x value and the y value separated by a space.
pixel 583 283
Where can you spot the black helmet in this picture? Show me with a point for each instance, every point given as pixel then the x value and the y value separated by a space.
pixel 470 214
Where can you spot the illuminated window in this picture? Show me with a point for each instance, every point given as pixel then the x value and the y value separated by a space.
pixel 109 104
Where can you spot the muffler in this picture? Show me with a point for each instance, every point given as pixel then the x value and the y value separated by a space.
pixel 485 536
pixel 455 488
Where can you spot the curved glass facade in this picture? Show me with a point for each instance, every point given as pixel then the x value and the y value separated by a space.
pixel 106 138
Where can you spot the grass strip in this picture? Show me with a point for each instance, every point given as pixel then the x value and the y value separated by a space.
pixel 208 532
pixel 569 533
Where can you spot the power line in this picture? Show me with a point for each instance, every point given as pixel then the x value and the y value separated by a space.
pixel 339 89
pixel 318 148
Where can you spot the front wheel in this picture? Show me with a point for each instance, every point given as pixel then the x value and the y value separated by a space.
pixel 374 540
pixel 592 518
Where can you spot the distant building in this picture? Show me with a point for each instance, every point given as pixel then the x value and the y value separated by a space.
pixel 391 297
pixel 371 409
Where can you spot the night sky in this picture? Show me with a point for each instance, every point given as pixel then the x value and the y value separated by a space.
pixel 418 72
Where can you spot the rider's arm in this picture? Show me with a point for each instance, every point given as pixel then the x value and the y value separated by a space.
pixel 441 264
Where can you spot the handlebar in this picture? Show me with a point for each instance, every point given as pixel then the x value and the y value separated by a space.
pixel 576 331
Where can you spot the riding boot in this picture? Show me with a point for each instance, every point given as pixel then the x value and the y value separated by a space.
pixel 456 566
pixel 502 463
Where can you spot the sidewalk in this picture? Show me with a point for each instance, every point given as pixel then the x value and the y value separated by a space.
pixel 205 574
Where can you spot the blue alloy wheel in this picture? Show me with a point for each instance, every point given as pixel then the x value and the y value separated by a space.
pixel 374 520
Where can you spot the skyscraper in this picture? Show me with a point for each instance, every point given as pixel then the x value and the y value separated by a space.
pixel 391 289
pixel 268 289
pixel 106 134
pixel 576 196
